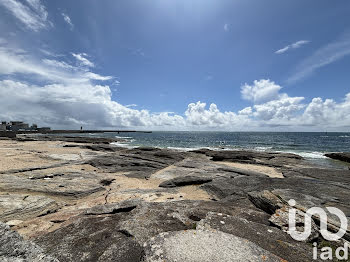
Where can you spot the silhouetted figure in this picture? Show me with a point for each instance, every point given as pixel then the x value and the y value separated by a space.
pixel 81 128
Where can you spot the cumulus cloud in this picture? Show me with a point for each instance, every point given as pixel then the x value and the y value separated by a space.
pixel 261 91
pixel 279 109
pixel 83 60
pixel 292 46
pixel 32 14
pixel 69 97
pixel 67 105
pixel 284 108
pixel 327 112
pixel 67 19
pixel 246 111
pixel 325 55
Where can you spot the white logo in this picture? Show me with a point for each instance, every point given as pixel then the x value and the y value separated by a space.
pixel 302 236
pixel 327 252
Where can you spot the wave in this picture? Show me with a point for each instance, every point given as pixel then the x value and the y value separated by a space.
pixel 344 136
pixel 184 148
pixel 310 155
pixel 125 137
pixel 263 148
pixel 125 145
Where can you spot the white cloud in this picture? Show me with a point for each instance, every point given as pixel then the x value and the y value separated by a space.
pixel 94 76
pixel 83 60
pixel 325 55
pixel 17 61
pixel 67 19
pixel 280 110
pixel 327 112
pixel 33 15
pixel 59 64
pixel 198 116
pixel 226 27
pixel 261 91
pixel 292 46
pixel 246 111
pixel 69 98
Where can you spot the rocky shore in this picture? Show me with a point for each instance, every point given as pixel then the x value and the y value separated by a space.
pixel 82 199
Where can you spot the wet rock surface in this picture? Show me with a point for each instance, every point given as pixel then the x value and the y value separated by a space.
pixel 91 201
pixel 345 156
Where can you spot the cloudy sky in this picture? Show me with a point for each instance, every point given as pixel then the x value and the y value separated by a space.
pixel 176 65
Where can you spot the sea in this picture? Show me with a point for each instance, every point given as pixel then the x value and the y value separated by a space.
pixel 310 145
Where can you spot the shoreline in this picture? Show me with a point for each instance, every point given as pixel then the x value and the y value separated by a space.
pixel 54 190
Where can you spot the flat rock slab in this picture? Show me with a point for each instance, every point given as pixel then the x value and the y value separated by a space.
pixel 264 235
pixel 138 163
pixel 72 184
pixel 22 206
pixel 252 157
pixel 204 246
pixel 340 156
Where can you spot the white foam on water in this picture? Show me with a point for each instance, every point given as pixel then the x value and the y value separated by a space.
pixel 312 155
pixel 197 148
pixel 183 148
pixel 263 148
pixel 125 145
pixel 344 136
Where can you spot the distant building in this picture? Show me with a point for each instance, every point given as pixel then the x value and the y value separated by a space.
pixel 21 126
pixel 18 126
pixel 3 126
pixel 43 129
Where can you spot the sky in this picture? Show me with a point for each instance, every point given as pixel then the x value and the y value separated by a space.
pixel 228 65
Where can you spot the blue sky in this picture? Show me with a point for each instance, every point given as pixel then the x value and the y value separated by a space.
pixel 131 62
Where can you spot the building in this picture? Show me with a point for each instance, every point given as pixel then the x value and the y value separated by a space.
pixel 21 126
pixel 3 126
pixel 18 126
pixel 43 129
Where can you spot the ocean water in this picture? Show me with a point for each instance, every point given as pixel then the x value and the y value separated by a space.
pixel 311 146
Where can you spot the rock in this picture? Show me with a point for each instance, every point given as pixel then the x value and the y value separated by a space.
pixel 264 235
pixel 14 249
pixel 185 181
pixel 204 246
pixel 281 220
pixel 125 206
pixel 73 184
pixel 345 156
pixel 252 157
pixel 137 162
pixel 266 201
pixel 88 237
pixel 21 206
pixel 71 139
pixel 101 147
pixel 14 222
pixel 91 239
pixel 109 235
pixel 107 181
pixel 276 202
